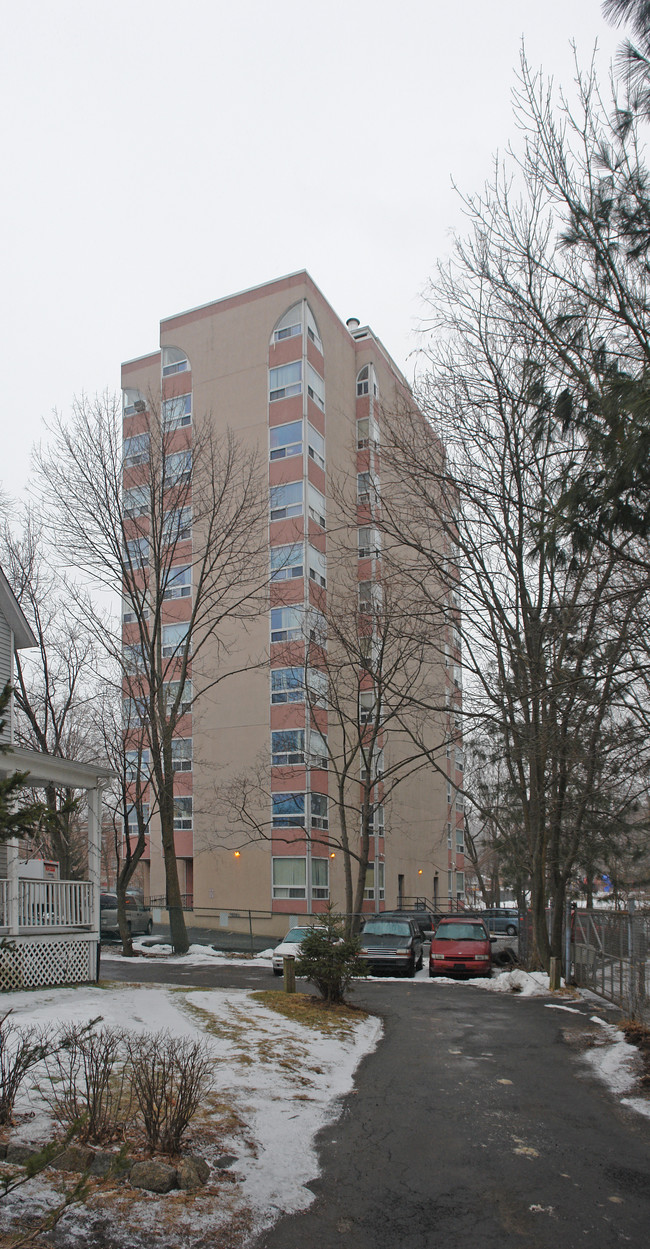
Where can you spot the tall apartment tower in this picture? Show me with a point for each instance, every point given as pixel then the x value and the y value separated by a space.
pixel 278 367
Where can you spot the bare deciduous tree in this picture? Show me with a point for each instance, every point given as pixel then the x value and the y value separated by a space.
pixel 124 521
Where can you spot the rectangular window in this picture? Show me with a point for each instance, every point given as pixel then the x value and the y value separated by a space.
pixel 458 676
pixel 286 440
pixel 285 381
pixel 319 811
pixel 368 541
pixel 460 801
pixel 173 638
pixel 287 685
pixel 376 821
pixel 287 562
pixel 460 884
pixel 177 526
pixel 171 689
pixel 460 841
pixel 315 446
pixel 315 387
pixel 376 769
pixel 450 884
pixel 136 763
pixel 136 501
pixel 366 488
pixel 366 707
pixel 132 818
pixel 286 624
pixel 316 505
pixel 369 890
pixel 320 878
pixel 135 450
pixel 177 412
pixel 175 366
pixel 317 566
pixel 288 810
pixel 449 836
pixel 287 331
pixel 178 467
pixel 182 754
pixel 317 627
pixel 129 615
pixel 460 759
pixel 317 682
pixel 137 552
pixel 289 877
pixel 365 596
pixel 287 747
pixel 367 433
pixel 318 757
pixel 178 583
pixel 134 712
pixel 182 813
pixel 133 657
pixel 286 500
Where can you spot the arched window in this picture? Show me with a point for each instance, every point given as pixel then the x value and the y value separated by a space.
pixel 367 382
pixel 174 361
pixel 289 325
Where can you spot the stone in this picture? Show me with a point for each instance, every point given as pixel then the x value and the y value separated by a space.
pixel 74 1158
pixel 102 1162
pixel 225 1161
pixel 188 1174
pixel 201 1165
pixel 20 1153
pixel 156 1177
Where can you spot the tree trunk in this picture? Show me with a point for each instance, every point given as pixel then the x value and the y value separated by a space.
pixel 177 930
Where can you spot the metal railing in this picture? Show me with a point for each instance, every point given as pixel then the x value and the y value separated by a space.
pixel 160 900
pixel 610 955
pixel 46 904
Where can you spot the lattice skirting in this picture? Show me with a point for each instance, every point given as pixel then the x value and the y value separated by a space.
pixel 34 964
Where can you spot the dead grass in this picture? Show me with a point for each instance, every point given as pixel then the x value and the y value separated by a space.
pixel 305 1008
pixel 638 1034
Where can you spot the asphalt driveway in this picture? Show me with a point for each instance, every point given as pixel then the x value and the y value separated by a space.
pixel 475 1125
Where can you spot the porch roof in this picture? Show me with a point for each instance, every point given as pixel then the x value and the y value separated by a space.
pixel 51 769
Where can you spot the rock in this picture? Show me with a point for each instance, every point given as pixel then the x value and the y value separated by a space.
pixel 201 1166
pixel 102 1162
pixel 20 1153
pixel 3 1151
pixel 74 1158
pixel 225 1161
pixel 156 1177
pixel 188 1174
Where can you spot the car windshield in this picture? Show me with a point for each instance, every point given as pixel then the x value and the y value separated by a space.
pixel 295 934
pixel 108 901
pixel 460 932
pixel 384 928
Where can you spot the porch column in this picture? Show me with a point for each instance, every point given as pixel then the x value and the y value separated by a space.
pixel 95 850
pixel 12 886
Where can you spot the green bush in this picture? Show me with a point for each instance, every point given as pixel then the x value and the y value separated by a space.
pixel 329 959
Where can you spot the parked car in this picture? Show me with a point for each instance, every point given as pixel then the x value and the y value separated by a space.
pixel 461 947
pixel 392 944
pixel 289 945
pixel 424 919
pixel 500 919
pixel 139 917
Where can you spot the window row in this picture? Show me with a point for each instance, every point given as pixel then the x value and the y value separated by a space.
pixel 286 380
pixel 294 624
pixel 288 748
pixel 135 712
pixel 182 816
pixel 290 325
pixel 289 810
pixel 286 441
pixel 287 563
pixel 176 527
pixel 287 500
pixel 137 761
pixel 290 877
pixel 288 685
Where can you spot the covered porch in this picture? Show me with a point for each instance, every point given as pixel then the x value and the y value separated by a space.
pixel 49 929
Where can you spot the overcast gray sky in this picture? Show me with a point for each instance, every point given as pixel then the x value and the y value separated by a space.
pixel 160 155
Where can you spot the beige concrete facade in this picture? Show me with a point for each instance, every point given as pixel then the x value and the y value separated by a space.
pixel 242 364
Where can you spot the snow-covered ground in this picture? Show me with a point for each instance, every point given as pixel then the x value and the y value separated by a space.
pixel 278 1082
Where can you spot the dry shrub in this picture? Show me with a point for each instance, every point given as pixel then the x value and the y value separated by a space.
pixel 20 1050
pixel 88 1082
pixel 169 1077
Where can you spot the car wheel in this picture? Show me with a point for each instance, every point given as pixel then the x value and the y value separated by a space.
pixel 150 928
pixel 410 970
pixel 511 930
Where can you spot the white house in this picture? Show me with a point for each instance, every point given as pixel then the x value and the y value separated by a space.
pixel 49 928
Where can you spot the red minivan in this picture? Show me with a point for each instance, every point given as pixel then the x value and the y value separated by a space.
pixel 460 947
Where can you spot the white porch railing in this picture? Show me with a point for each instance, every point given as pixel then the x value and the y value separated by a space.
pixel 49 904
